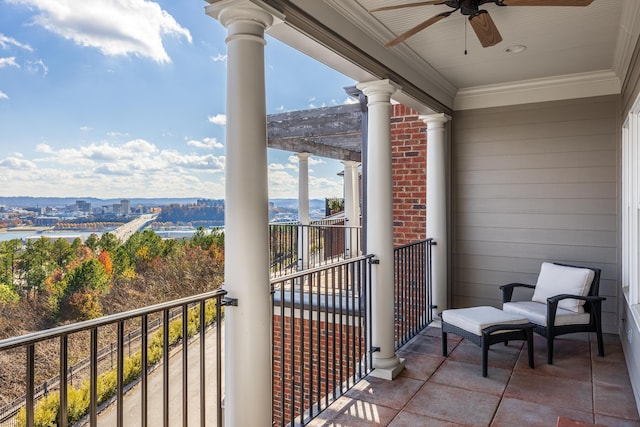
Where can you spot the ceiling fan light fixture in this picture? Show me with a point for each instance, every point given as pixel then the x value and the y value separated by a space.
pixel 516 48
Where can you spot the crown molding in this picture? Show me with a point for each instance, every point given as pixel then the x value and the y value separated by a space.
pixel 582 85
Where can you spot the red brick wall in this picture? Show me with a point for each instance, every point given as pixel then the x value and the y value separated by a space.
pixel 325 349
pixel 409 162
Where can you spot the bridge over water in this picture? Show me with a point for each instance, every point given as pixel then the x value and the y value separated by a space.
pixel 127 230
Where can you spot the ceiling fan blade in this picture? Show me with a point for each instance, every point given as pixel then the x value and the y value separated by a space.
pixel 402 6
pixel 485 29
pixel 402 37
pixel 544 2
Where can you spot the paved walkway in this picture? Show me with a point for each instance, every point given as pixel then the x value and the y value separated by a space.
pixel 133 398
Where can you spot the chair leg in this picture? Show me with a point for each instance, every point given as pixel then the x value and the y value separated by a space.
pixel 549 349
pixel 600 343
pixel 444 344
pixel 530 347
pixel 485 356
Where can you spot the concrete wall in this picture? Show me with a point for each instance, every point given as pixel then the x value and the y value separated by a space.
pixel 533 183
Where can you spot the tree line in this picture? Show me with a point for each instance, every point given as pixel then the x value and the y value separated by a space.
pixel 65 281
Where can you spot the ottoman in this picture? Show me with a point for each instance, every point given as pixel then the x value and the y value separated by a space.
pixel 485 326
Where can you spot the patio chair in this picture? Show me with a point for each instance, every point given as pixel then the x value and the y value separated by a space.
pixel 565 300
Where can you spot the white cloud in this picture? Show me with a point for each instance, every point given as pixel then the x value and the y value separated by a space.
pixel 37 66
pixel 135 168
pixel 44 148
pixel 209 143
pixel 85 128
pixel 350 100
pixel 115 27
pixel 10 61
pixel 218 119
pixel 17 163
pixel 6 41
pixel 117 134
pixel 3 95
pixel 219 58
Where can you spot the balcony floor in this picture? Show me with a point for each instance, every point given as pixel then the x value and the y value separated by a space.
pixel 437 391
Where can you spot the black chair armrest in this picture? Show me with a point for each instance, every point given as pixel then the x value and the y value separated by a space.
pixel 589 298
pixel 507 290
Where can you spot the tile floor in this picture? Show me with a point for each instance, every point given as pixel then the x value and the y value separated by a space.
pixel 437 391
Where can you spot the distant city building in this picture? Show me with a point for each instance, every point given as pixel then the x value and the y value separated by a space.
pixel 46 221
pixel 125 207
pixel 83 206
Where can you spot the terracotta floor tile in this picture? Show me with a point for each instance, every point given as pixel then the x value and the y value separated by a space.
pixel 407 419
pixel 354 413
pixel 454 404
pixel 615 422
pixel 615 401
pixel 500 356
pixel 427 344
pixel 419 366
pixel 393 394
pixel 552 391
pixel 611 372
pixel 515 412
pixel 469 376
pixel 571 359
pixel 436 391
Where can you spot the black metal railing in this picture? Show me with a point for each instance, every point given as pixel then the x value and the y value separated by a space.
pixel 197 313
pixel 413 290
pixel 320 333
pixel 295 247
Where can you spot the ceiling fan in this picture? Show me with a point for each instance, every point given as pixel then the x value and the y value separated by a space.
pixel 480 20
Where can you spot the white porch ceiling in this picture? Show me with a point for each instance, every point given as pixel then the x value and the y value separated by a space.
pixel 571 51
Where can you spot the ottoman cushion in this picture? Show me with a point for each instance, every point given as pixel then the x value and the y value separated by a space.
pixel 475 319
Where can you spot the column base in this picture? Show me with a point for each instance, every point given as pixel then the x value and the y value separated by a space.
pixel 436 323
pixel 390 372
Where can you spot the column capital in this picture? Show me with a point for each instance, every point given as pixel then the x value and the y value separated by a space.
pixel 303 156
pixel 350 163
pixel 435 120
pixel 229 12
pixel 375 88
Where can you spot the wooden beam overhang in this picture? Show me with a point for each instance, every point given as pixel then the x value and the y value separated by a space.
pixel 331 132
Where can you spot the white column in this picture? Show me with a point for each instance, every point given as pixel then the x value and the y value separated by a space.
pixel 437 206
pixel 303 210
pixel 351 202
pixel 380 226
pixel 247 344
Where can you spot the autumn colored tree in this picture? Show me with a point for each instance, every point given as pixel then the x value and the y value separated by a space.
pixel 105 260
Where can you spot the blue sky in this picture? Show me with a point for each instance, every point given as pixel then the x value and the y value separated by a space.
pixel 126 98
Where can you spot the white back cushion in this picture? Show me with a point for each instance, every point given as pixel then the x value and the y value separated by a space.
pixel 558 279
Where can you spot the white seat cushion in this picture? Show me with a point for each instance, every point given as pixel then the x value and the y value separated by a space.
pixel 475 319
pixel 537 313
pixel 559 279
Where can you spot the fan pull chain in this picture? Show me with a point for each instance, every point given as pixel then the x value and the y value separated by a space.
pixel 465 36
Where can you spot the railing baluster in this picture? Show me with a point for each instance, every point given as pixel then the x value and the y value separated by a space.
pixel 185 364
pixel 93 377
pixel 202 365
pixel 64 363
pixel 218 364
pixel 120 375
pixel 31 357
pixel 144 355
pixel 165 368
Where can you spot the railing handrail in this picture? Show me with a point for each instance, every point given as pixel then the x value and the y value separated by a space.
pixel 309 271
pixel 418 242
pixel 46 334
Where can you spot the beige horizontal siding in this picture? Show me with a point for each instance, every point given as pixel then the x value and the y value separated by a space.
pixel 534 183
